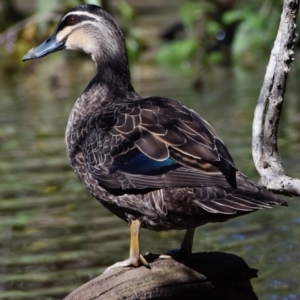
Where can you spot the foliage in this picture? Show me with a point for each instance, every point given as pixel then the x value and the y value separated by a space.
pixel 133 35
pixel 54 5
pixel 177 54
pixel 223 30
pixel 27 33
pixel 256 31
pixel 213 32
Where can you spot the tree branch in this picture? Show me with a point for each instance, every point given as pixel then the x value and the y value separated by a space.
pixel 269 106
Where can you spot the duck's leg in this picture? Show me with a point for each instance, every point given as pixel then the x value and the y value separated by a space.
pixel 185 248
pixel 135 259
pixel 187 243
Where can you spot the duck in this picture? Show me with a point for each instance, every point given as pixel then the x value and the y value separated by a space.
pixel 151 161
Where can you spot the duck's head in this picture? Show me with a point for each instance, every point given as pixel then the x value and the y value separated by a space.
pixel 90 29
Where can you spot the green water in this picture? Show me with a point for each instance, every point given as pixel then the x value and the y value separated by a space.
pixel 54 236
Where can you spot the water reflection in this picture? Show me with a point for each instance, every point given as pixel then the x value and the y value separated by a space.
pixel 54 236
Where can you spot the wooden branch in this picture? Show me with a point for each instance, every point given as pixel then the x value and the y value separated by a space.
pixel 269 106
pixel 211 275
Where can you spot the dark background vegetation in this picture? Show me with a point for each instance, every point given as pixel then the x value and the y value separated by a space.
pixel 203 33
pixel 210 55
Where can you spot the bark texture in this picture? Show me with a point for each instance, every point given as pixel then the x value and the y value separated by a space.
pixel 206 276
pixel 269 106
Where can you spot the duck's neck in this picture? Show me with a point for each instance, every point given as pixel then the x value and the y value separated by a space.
pixel 115 75
pixel 112 81
pixel 110 85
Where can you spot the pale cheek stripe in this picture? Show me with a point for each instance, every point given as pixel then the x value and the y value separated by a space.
pixel 67 30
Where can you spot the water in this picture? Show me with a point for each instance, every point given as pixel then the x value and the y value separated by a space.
pixel 54 236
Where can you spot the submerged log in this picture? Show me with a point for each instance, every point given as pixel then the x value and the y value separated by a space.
pixel 208 275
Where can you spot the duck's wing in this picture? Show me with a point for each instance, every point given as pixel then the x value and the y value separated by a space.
pixel 153 143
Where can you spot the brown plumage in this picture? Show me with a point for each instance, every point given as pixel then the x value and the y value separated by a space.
pixel 151 161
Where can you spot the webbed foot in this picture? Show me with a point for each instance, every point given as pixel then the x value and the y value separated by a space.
pixel 135 259
pixel 130 262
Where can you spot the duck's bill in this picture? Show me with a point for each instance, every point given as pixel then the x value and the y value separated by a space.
pixel 49 46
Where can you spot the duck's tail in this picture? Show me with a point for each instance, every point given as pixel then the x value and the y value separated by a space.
pixel 247 197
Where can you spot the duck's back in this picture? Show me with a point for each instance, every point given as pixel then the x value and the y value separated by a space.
pixel 155 159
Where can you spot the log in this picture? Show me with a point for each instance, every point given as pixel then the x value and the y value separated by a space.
pixel 206 276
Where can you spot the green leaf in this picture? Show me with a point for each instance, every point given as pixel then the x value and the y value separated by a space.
pixel 95 2
pixel 46 5
pixel 176 53
pixel 234 16
pixel 126 10
pixel 189 12
pixel 212 27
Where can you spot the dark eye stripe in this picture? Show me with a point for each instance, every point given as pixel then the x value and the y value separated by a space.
pixel 78 18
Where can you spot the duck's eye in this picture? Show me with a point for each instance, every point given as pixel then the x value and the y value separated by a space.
pixel 72 20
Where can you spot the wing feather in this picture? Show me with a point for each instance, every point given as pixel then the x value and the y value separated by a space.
pixel 160 129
